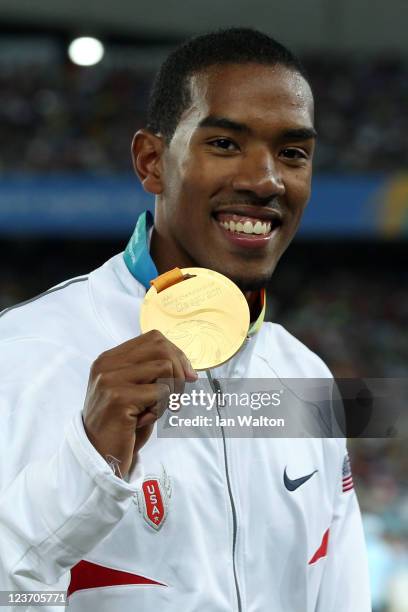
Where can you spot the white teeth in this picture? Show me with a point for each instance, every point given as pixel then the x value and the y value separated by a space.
pixel 247 227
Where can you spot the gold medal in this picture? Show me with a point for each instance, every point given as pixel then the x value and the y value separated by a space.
pixel 200 311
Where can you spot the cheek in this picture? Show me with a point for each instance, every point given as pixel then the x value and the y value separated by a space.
pixel 196 187
pixel 298 191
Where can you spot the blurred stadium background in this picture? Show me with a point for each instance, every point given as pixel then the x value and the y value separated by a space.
pixel 68 198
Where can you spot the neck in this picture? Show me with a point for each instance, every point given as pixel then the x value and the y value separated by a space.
pixel 254 302
pixel 164 256
pixel 165 259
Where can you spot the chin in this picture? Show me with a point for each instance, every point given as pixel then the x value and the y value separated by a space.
pixel 246 282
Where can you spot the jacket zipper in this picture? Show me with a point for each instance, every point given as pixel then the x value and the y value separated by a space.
pixel 216 387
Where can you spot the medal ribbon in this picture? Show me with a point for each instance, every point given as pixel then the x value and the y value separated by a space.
pixel 255 326
pixel 137 257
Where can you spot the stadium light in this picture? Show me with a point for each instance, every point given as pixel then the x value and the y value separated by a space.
pixel 86 51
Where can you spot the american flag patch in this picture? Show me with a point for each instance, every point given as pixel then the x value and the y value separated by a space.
pixel 347 482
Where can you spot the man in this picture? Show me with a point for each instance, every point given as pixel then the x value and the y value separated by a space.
pixel 93 500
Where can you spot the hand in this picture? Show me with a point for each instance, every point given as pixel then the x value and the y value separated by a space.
pixel 124 399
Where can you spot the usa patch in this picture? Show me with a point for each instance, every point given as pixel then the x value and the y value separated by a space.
pixel 153 499
pixel 347 481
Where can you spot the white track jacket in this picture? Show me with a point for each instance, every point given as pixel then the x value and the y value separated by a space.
pixel 203 524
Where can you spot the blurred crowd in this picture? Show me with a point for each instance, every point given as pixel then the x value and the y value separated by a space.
pixel 63 118
pixel 380 470
pixel 69 119
pixel 365 324
pixel 360 114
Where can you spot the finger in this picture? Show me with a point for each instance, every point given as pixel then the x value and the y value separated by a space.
pixel 171 368
pixel 125 403
pixel 153 413
pixel 188 369
pixel 140 373
pixel 147 418
pixel 150 340
pixel 153 397
pixel 178 373
pixel 147 347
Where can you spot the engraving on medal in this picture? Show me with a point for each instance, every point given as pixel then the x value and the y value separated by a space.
pixel 194 298
pixel 202 339
pixel 206 316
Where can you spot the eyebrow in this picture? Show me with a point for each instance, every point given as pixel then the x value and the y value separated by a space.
pixel 305 133
pixel 212 121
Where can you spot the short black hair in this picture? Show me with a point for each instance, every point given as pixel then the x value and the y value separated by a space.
pixel 171 96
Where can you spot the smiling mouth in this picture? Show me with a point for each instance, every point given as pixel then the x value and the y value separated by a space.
pixel 245 225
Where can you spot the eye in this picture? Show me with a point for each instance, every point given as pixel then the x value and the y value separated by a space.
pixel 225 144
pixel 294 153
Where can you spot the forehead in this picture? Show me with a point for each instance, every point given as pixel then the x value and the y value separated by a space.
pixel 251 93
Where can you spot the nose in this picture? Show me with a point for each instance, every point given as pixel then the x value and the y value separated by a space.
pixel 259 174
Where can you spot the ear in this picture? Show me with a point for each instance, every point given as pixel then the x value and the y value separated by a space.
pixel 147 150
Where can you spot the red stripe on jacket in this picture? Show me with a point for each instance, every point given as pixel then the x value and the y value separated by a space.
pixel 87 575
pixel 322 550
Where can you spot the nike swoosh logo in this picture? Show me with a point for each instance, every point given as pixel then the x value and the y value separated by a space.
pixel 292 485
